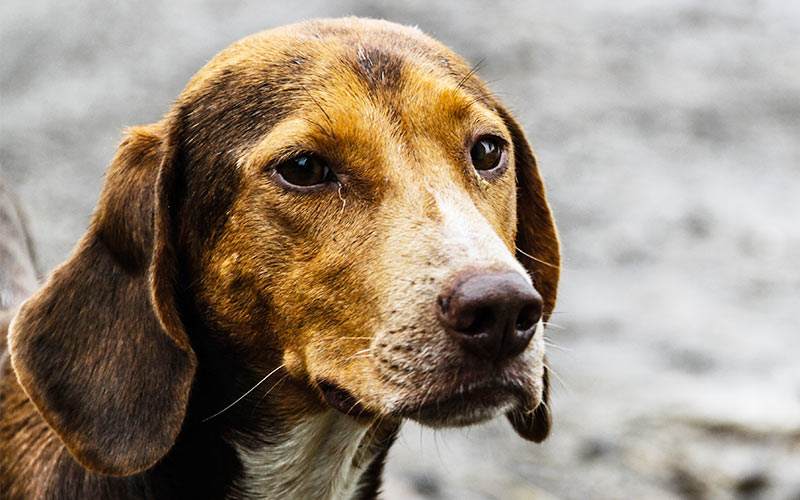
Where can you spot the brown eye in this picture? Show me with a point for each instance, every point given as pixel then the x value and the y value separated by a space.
pixel 486 153
pixel 305 171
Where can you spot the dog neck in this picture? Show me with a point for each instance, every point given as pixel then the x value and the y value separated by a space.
pixel 321 456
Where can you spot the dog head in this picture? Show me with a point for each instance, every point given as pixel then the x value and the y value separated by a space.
pixel 341 200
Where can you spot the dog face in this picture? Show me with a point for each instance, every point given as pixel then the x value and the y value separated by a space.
pixel 340 200
pixel 337 263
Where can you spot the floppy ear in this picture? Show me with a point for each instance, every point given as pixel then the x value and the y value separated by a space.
pixel 538 251
pixel 537 239
pixel 100 349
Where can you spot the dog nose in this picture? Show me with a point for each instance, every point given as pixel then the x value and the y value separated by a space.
pixel 493 315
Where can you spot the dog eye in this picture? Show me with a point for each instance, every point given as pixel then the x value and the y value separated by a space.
pixel 486 153
pixel 305 171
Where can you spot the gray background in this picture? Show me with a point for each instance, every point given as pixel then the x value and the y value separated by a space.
pixel 669 136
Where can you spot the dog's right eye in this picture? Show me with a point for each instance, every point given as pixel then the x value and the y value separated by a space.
pixel 305 171
pixel 486 154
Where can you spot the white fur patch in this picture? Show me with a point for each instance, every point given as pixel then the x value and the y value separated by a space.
pixel 470 239
pixel 319 458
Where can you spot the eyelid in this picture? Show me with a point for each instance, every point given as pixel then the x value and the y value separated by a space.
pixel 278 177
pixel 484 131
pixel 490 134
pixel 503 144
pixel 290 152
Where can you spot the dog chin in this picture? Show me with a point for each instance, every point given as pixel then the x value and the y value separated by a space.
pixel 466 417
pixel 465 407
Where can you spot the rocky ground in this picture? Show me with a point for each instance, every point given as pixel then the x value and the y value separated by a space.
pixel 669 137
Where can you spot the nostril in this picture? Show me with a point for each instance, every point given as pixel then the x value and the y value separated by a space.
pixel 528 317
pixel 444 303
pixel 481 321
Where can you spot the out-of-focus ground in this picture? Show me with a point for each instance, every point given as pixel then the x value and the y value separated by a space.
pixel 669 137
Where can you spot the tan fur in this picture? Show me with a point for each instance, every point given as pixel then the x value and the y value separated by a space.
pixel 196 249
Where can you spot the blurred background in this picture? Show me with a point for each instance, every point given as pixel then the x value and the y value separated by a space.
pixel 668 134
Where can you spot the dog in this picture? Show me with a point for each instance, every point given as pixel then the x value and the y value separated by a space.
pixel 336 228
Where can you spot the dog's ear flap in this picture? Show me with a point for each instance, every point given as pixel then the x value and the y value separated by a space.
pixel 100 349
pixel 537 243
pixel 538 251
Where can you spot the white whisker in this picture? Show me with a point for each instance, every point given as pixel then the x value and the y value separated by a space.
pixel 556 346
pixel 551 342
pixel 558 377
pixel 368 355
pixel 245 394
pixel 537 260
pixel 270 390
pixel 541 403
pixel 363 353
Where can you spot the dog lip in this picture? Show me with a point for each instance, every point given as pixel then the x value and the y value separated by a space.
pixel 455 407
pixel 342 400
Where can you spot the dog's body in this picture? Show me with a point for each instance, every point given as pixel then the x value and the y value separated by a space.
pixel 316 243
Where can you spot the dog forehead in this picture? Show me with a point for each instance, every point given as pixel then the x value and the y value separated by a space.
pixel 292 61
pixel 352 81
pixel 321 40
pixel 352 64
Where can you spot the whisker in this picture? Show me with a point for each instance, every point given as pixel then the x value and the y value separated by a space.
pixel 358 403
pixel 558 377
pixel 556 346
pixel 269 391
pixel 245 394
pixel 428 393
pixel 320 127
pixel 553 325
pixel 541 403
pixel 363 353
pixel 368 442
pixel 470 73
pixel 327 117
pixel 436 447
pixel 526 254
pixel 552 341
pixel 470 103
pixel 357 357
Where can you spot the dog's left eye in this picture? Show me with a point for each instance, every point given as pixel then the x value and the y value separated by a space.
pixel 486 153
pixel 305 171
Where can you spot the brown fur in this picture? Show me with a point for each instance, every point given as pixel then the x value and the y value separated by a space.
pixel 200 274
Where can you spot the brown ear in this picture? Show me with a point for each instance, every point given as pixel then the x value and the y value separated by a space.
pixel 99 349
pixel 537 239
pixel 538 251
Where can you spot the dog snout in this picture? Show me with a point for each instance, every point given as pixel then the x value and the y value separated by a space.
pixel 492 315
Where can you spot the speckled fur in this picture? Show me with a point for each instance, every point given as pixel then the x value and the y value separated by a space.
pixel 200 274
